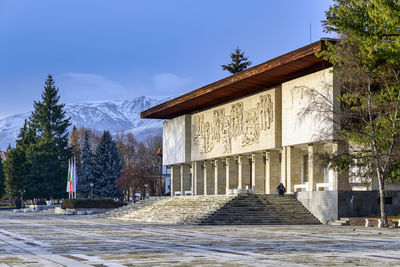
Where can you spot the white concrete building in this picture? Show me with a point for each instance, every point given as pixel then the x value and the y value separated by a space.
pixel 244 134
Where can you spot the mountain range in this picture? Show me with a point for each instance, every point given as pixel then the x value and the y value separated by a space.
pixel 115 116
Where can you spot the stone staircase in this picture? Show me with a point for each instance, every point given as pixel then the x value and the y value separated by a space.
pixel 262 209
pixel 117 213
pixel 174 210
pixel 221 209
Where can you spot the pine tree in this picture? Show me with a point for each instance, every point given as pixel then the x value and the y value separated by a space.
pixel 107 168
pixel 239 62
pixel 86 172
pixel 15 169
pixel 48 152
pixel 2 180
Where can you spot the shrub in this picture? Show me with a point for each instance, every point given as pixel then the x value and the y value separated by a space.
pixel 98 203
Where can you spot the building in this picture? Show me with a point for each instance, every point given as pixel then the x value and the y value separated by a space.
pixel 244 134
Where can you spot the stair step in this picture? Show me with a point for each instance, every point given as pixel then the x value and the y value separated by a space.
pixel 218 209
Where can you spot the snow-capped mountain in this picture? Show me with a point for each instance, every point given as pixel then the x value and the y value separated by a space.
pixel 115 116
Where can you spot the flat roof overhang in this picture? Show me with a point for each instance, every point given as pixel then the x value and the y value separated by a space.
pixel 289 66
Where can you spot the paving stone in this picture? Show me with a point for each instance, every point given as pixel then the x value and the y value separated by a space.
pixel 45 239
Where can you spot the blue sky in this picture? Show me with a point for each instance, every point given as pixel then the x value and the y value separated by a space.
pixel 109 50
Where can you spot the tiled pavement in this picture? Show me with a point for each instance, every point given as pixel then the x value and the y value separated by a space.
pixel 42 239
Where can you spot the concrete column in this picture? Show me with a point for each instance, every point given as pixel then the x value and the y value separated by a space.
pixel 227 182
pixel 311 184
pixel 231 175
pixel 172 180
pixel 283 166
pixel 185 178
pixel 272 171
pixel 258 173
pixel 293 168
pixel 193 177
pixel 216 163
pixel 316 170
pixel 208 178
pixel 339 181
pixel 240 178
pixel 175 179
pixel 205 166
pixel 198 179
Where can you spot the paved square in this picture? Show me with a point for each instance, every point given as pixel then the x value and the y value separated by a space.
pixel 42 239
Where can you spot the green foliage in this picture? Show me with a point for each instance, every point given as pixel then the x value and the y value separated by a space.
pixel 366 63
pixel 107 168
pixel 239 62
pixel 38 164
pixel 86 172
pixel 15 170
pixel 2 180
pixel 88 203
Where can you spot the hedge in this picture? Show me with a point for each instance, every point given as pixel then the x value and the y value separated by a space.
pixel 98 203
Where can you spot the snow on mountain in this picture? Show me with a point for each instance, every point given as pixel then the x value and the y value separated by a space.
pixel 115 116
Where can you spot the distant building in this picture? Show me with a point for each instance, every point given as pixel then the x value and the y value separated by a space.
pixel 3 155
pixel 165 174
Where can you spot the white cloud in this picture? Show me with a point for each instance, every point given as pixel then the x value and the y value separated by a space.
pixel 170 83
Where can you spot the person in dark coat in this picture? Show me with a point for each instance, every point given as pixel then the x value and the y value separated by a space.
pixel 281 189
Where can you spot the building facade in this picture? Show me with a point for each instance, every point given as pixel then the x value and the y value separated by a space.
pixel 246 133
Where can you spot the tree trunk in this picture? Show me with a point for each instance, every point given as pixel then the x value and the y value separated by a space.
pixel 382 200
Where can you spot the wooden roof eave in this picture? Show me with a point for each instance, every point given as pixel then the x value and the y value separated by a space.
pixel 244 83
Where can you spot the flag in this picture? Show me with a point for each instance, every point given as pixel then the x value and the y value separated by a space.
pixel 75 177
pixel 69 175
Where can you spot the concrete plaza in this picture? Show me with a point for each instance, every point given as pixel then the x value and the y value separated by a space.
pixel 44 239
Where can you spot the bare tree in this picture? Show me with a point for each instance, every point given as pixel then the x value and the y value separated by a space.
pixel 364 115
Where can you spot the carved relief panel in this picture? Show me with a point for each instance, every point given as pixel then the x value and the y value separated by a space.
pixel 238 124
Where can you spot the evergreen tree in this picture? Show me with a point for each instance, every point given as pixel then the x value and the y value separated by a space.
pixel 2 180
pixel 239 62
pixel 16 167
pixel 86 172
pixel 366 63
pixel 14 170
pixel 107 168
pixel 49 152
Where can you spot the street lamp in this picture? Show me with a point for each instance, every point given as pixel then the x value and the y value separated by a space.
pixel 91 190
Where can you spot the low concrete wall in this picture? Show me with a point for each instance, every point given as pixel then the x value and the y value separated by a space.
pixel 366 203
pixel 322 204
pixel 328 206
pixel 41 207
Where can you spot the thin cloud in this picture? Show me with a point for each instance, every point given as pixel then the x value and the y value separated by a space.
pixel 170 83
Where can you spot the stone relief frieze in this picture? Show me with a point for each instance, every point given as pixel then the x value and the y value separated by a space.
pixel 240 123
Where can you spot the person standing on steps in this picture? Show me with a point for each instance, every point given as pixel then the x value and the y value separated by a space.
pixel 280 189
